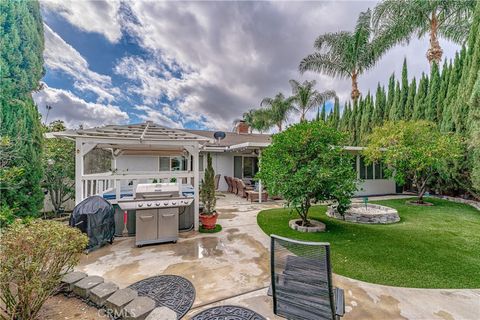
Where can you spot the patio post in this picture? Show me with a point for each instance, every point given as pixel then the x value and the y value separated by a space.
pixel 196 183
pixel 78 171
pixel 259 181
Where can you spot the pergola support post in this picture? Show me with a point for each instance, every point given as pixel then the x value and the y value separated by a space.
pixel 78 171
pixel 194 152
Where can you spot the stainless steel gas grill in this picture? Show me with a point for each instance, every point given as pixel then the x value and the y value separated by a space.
pixel 157 208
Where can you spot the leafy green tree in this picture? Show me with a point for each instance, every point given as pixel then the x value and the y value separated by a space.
pixel 345 117
pixel 367 116
pixel 305 97
pixel 412 150
pixel 278 108
pixel 400 19
pixel 433 92
pixel 21 65
pixel 409 105
pixel 306 163
pixel 59 167
pixel 336 114
pixel 404 93
pixel 347 54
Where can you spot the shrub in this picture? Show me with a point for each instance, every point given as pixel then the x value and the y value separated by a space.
pixel 207 191
pixel 307 163
pixel 33 258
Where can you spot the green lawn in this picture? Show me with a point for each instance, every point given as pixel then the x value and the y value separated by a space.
pixel 431 247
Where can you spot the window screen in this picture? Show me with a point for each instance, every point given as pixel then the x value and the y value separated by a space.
pixel 363 174
pixel 378 170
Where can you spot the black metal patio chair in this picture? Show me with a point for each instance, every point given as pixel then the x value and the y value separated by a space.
pixel 302 281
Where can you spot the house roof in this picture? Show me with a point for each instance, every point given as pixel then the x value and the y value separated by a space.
pixel 233 138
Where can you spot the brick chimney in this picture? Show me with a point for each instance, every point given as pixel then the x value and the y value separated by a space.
pixel 242 127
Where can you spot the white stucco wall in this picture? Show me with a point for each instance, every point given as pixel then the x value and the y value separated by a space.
pixel 223 164
pixel 133 163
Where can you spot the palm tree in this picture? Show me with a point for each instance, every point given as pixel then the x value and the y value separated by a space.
pixel 257 119
pixel 400 19
pixel 278 108
pixel 347 54
pixel 306 97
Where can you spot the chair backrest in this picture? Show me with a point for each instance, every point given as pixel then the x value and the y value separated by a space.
pixel 301 279
pixel 241 188
pixel 217 181
pixel 228 183
pixel 234 185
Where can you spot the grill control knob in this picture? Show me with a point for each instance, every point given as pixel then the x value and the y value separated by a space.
pixel 157 204
pixel 165 203
pixel 149 204
pixel 140 205
pixel 174 203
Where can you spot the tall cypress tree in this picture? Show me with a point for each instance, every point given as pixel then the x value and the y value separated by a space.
pixel 21 64
pixel 396 105
pixel 404 94
pixel 336 114
pixel 442 94
pixel 345 117
pixel 447 124
pixel 433 92
pixel 409 105
pixel 366 120
pixel 418 108
pixel 323 113
pixel 379 106
pixel 390 97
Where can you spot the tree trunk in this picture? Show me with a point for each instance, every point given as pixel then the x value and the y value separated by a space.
pixel 355 92
pixel 279 126
pixel 435 52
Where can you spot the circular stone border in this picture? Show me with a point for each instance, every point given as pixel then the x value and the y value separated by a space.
pixel 317 226
pixel 389 215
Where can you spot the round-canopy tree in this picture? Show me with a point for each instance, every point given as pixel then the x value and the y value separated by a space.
pixel 412 150
pixel 306 163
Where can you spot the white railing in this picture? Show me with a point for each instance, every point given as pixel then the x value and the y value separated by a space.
pixel 98 184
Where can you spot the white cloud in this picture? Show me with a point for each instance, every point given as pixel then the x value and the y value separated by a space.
pixel 60 56
pixel 91 16
pixel 230 55
pixel 75 111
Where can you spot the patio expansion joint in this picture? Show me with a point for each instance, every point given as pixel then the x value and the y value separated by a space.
pixel 227 298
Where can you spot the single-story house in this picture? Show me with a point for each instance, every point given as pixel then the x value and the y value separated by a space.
pixel 147 152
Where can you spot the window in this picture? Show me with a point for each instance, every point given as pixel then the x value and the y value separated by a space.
pixel 178 163
pixel 366 170
pixel 200 163
pixel 164 163
pixel 250 167
pixel 363 175
pixel 378 170
pixel 237 167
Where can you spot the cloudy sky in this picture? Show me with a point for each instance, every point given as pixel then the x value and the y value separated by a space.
pixel 191 64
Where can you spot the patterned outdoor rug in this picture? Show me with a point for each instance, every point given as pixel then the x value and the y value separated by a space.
pixel 174 292
pixel 228 313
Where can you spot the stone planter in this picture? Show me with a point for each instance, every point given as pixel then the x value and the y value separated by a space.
pixel 374 214
pixel 316 226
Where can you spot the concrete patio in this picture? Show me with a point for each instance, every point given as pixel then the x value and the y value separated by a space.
pixel 232 267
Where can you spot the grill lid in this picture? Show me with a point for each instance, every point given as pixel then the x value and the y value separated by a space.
pixel 157 190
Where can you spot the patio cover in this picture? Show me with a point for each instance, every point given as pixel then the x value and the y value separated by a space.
pixel 133 138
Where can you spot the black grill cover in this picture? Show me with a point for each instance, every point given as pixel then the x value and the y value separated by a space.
pixel 95 217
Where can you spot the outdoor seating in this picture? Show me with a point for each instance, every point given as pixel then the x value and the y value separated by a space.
pixel 242 188
pixel 252 195
pixel 302 280
pixel 229 183
pixel 234 185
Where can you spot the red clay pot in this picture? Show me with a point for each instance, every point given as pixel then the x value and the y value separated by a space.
pixel 209 221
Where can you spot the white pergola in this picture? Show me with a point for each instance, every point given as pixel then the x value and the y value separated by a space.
pixel 132 139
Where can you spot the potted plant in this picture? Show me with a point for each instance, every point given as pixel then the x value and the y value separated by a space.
pixel 209 216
